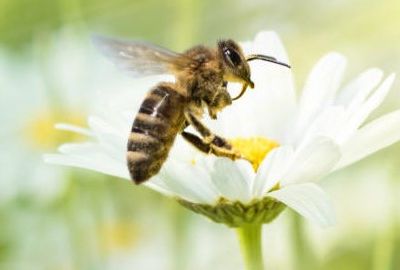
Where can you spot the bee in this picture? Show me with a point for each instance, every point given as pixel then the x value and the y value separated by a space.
pixel 201 77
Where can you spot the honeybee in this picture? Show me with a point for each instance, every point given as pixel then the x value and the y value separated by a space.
pixel 201 77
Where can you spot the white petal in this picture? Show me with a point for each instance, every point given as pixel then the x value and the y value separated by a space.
pixel 113 145
pixel 354 94
pixel 358 118
pixel 272 169
pixel 184 151
pixel 239 114
pixel 73 128
pixel 94 153
pixel 100 126
pixel 274 95
pixel 111 140
pixel 233 179
pixel 189 182
pixel 376 135
pixel 320 89
pixel 312 161
pixel 90 159
pixel 323 81
pixel 308 200
pixel 157 184
pixel 327 124
pixel 269 43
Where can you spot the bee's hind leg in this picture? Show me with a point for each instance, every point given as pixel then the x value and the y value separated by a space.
pixel 210 143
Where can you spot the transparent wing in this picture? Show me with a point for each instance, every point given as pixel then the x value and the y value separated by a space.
pixel 139 58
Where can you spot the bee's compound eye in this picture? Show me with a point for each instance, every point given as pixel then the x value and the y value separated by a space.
pixel 232 56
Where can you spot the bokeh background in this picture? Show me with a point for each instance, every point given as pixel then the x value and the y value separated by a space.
pixel 63 218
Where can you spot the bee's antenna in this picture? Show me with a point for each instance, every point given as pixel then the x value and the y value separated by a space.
pixel 252 57
pixel 265 58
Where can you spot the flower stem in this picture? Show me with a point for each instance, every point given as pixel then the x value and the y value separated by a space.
pixel 250 243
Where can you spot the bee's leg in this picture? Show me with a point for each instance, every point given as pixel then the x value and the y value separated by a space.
pixel 225 152
pixel 209 148
pixel 218 145
pixel 196 142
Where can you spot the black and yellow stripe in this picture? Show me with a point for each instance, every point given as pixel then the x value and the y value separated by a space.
pixel 156 125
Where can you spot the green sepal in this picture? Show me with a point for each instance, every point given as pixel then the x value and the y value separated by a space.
pixel 236 214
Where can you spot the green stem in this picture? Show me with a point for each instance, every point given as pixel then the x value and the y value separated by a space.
pixel 250 244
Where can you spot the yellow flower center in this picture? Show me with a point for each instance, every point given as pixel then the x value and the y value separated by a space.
pixel 41 134
pixel 254 149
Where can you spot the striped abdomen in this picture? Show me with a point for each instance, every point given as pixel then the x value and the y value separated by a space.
pixel 156 125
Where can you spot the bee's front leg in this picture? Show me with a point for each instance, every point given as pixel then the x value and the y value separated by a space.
pixel 210 143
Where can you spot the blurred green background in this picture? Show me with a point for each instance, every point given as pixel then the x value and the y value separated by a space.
pixel 63 218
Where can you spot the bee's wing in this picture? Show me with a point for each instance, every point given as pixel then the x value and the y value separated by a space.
pixel 139 58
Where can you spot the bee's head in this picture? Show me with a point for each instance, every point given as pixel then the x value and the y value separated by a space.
pixel 236 65
pixel 234 62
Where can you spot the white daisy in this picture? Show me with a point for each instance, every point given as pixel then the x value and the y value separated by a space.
pixel 292 142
